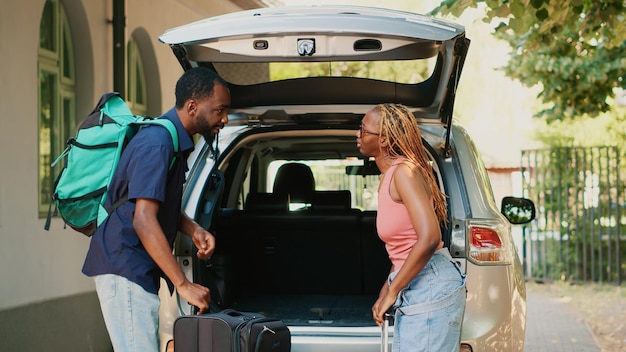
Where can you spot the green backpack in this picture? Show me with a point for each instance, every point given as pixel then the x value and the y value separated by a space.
pixel 80 190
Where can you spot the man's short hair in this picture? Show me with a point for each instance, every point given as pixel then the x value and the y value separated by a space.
pixel 196 83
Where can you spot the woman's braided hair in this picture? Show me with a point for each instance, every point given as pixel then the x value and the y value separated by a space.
pixel 399 126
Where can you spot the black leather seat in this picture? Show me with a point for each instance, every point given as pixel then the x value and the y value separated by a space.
pixel 333 201
pixel 267 202
pixel 314 251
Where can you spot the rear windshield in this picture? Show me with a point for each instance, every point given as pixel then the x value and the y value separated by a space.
pixel 330 175
pixel 399 71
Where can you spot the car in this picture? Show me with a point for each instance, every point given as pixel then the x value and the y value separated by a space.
pixel 292 203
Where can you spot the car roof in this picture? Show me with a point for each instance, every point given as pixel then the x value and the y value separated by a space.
pixel 335 33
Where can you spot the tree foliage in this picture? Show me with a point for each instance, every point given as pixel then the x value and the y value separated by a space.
pixel 574 49
pixel 405 71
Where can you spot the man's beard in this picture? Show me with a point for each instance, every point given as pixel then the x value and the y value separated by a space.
pixel 208 137
pixel 205 129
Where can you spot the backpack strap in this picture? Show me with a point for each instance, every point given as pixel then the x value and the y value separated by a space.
pixel 169 125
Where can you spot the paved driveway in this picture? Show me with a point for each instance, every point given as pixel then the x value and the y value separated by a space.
pixel 553 326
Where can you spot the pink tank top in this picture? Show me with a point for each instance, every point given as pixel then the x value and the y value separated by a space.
pixel 393 222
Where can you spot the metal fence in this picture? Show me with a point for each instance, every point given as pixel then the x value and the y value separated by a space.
pixel 579 231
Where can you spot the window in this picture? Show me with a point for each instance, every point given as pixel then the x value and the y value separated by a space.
pixel 330 175
pixel 136 93
pixel 401 71
pixel 57 116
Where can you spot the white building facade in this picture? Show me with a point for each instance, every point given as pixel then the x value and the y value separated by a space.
pixel 57 60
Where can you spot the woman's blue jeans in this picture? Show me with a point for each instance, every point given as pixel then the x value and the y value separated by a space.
pixel 429 311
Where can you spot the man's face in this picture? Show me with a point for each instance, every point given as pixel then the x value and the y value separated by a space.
pixel 212 112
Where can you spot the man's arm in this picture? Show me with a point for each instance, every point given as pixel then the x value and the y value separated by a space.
pixel 154 241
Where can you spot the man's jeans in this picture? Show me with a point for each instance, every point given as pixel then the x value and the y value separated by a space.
pixel 131 314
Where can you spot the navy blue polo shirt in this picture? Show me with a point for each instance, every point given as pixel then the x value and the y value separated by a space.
pixel 143 172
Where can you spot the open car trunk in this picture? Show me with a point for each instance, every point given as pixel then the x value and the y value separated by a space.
pixel 334 36
pixel 322 265
pixel 307 268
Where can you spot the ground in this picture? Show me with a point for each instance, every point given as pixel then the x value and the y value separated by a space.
pixel 602 306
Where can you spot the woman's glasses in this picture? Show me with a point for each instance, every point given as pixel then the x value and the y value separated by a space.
pixel 363 131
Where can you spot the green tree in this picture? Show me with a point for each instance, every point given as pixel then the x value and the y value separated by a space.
pixel 575 50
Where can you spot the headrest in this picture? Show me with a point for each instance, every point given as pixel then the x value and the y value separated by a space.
pixel 331 200
pixel 267 202
pixel 295 179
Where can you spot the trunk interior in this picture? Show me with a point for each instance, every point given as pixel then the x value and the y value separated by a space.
pixel 321 266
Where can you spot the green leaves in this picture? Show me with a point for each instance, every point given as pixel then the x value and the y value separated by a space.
pixel 542 14
pixel 573 49
pixel 536 3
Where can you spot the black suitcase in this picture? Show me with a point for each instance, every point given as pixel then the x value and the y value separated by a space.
pixel 230 331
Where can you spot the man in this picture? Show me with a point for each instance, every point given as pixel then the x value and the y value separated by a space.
pixel 132 250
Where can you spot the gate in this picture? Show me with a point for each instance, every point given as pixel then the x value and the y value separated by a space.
pixel 577 235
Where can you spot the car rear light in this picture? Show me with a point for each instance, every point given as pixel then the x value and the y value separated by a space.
pixel 488 244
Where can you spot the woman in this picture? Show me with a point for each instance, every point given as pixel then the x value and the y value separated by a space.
pixel 425 286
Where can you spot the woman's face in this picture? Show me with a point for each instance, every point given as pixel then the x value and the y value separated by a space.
pixel 368 136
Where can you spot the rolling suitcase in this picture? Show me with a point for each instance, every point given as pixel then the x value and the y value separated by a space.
pixel 230 331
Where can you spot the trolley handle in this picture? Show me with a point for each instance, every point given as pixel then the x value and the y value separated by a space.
pixel 384 346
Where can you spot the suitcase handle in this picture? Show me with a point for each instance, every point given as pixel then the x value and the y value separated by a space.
pixel 384 345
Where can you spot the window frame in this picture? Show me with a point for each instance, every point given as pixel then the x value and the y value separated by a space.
pixel 136 78
pixel 60 64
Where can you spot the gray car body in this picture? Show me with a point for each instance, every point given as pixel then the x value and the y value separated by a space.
pixel 496 301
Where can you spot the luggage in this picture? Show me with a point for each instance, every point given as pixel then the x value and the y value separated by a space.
pixel 230 331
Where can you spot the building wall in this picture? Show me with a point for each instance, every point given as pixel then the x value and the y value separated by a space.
pixel 46 303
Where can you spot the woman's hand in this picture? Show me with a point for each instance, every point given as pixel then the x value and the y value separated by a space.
pixel 382 305
pixel 385 300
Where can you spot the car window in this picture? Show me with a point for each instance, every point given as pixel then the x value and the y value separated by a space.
pixel 330 175
pixel 400 71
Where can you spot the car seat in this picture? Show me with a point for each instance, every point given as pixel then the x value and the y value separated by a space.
pixel 296 180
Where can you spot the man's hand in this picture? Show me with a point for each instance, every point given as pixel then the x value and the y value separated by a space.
pixel 204 241
pixel 196 295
